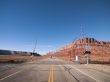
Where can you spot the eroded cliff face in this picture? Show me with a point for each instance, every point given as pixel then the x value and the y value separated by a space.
pixel 79 46
pixel 96 47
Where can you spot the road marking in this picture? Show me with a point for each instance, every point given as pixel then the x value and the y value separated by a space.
pixel 84 73
pixel 10 75
pixel 51 74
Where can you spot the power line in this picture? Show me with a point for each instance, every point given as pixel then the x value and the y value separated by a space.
pixel 82 31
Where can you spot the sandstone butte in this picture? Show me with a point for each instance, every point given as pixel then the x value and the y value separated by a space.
pixel 78 47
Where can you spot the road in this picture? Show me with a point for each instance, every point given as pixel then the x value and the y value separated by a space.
pixel 50 70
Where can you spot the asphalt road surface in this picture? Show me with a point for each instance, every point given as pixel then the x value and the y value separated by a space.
pixel 50 70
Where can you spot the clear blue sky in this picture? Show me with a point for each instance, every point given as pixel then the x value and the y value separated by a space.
pixel 53 23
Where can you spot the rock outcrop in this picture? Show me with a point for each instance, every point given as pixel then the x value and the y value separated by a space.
pixel 79 46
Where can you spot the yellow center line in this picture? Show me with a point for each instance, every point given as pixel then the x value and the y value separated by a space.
pixel 51 74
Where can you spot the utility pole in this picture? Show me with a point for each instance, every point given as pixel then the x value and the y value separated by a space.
pixel 34 48
pixel 86 46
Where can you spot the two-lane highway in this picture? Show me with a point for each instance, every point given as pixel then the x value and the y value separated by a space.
pixel 50 70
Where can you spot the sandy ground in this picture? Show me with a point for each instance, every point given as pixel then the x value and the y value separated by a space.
pixel 100 67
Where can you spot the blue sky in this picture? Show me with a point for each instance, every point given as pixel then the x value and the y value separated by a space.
pixel 53 23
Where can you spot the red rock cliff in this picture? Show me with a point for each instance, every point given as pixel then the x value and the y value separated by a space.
pixel 78 47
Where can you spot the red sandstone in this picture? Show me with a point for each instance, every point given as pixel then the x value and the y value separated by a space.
pixel 78 48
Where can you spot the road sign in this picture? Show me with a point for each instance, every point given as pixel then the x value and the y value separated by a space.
pixel 87 52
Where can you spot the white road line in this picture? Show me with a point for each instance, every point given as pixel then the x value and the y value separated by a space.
pixel 84 73
pixel 10 75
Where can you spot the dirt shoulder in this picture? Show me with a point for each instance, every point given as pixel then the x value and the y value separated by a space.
pixel 100 67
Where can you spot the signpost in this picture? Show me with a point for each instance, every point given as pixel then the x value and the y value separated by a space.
pixel 87 54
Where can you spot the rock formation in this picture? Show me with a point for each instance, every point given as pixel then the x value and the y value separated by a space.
pixel 79 46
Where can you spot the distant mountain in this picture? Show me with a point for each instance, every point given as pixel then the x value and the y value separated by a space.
pixel 9 52
pixel 5 52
